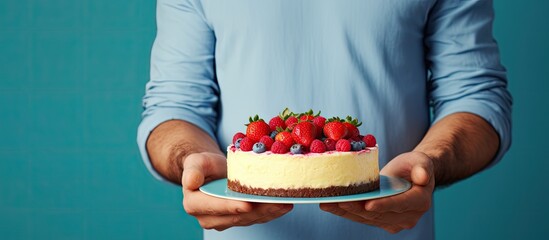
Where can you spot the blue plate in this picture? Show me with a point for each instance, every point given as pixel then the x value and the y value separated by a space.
pixel 389 186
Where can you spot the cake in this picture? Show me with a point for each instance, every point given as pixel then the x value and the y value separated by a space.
pixel 302 155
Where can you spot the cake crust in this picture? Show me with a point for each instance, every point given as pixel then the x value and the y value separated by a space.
pixel 235 185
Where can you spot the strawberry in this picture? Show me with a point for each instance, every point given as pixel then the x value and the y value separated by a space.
pixel 291 122
pixel 268 141
pixel 352 131
pixel 304 118
pixel 335 130
pixel 246 144
pixel 330 144
pixel 319 122
pixel 285 137
pixel 343 145
pixel 308 116
pixel 257 128
pixel 276 122
pixel 237 136
pixel 352 128
pixel 317 146
pixel 356 139
pixel 369 140
pixel 304 133
pixel 279 147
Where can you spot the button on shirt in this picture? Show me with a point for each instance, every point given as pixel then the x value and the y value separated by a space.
pixel 396 65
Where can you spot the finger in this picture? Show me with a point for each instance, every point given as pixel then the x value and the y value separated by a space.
pixel 197 203
pixel 418 198
pixel 202 167
pixel 391 222
pixel 331 208
pixel 286 208
pixel 192 179
pixel 358 209
pixel 266 212
pixel 336 210
pixel 404 220
pixel 400 166
pixel 405 166
pixel 392 229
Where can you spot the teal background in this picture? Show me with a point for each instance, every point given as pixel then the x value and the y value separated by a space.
pixel 72 74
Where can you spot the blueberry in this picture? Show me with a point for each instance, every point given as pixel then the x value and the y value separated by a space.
pixel 237 143
pixel 273 134
pixel 296 149
pixel 259 147
pixel 356 146
pixel 362 145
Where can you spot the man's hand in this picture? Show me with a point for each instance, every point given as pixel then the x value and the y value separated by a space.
pixel 216 213
pixel 397 212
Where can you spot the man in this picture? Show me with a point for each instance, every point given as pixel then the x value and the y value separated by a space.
pixel 214 63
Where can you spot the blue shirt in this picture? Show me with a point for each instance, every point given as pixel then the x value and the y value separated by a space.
pixel 397 65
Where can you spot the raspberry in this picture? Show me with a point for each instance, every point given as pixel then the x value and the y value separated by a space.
pixel 246 144
pixel 237 136
pixel 317 146
pixel 343 145
pixel 279 147
pixel 330 144
pixel 370 140
pixel 267 141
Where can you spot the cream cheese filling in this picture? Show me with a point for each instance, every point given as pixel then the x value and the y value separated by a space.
pixel 313 170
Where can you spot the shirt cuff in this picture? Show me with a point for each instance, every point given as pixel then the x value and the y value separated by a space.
pixel 499 120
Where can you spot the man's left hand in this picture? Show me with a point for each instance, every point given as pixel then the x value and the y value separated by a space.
pixel 401 211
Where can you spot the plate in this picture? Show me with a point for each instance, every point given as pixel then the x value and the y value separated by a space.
pixel 389 186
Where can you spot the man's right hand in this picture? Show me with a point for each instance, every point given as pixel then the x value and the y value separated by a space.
pixel 216 213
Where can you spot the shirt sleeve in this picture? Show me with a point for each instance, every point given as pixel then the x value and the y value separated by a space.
pixel 465 70
pixel 182 83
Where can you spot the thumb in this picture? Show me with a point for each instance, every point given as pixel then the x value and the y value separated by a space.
pixel 202 167
pixel 192 178
pixel 421 175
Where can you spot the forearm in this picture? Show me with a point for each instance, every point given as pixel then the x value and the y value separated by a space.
pixel 172 141
pixel 460 145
